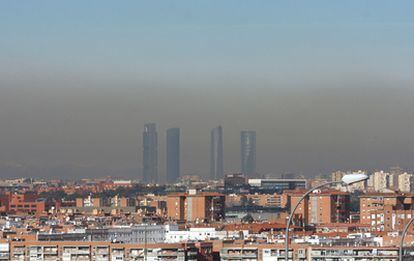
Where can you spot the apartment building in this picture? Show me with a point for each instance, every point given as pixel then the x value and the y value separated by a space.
pixel 380 181
pixel 353 253
pixel 263 200
pixel 104 251
pixel 195 206
pixel 266 252
pixel 96 202
pixel 25 203
pixel 137 234
pixel 386 211
pixel 406 182
pixel 321 207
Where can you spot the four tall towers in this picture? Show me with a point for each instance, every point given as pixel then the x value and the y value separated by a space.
pixel 150 154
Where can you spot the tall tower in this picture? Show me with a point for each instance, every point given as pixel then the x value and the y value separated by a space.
pixel 173 154
pixel 216 153
pixel 248 153
pixel 150 155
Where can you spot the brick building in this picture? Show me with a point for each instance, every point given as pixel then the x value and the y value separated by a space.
pixel 386 211
pixel 97 202
pixel 196 206
pixel 321 207
pixel 25 203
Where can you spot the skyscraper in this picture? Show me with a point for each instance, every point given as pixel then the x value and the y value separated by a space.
pixel 173 154
pixel 248 153
pixel 150 155
pixel 216 153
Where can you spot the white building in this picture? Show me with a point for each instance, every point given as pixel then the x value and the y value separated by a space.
pixel 380 181
pixel 200 233
pixel 4 251
pixel 405 182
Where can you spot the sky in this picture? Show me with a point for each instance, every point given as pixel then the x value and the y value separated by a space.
pixel 326 85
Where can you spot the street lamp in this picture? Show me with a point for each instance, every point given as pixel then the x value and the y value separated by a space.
pixel 404 232
pixel 346 180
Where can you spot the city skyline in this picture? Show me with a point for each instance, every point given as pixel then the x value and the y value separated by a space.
pixel 326 86
pixel 207 130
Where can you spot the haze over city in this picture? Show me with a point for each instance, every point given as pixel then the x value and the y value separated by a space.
pixel 326 86
pixel 207 130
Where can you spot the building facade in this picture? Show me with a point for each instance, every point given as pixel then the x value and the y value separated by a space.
pixel 405 182
pixel 138 234
pixel 216 153
pixel 386 211
pixel 150 153
pixel 380 181
pixel 248 153
pixel 276 185
pixel 104 251
pixel 25 203
pixel 321 207
pixel 193 207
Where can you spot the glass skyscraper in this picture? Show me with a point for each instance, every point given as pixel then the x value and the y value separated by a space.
pixel 216 153
pixel 248 153
pixel 150 155
pixel 173 154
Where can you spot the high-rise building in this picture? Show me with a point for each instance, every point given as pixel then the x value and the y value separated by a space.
pixel 150 155
pixel 216 153
pixel 173 154
pixel 394 174
pixel 405 182
pixel 248 153
pixel 380 181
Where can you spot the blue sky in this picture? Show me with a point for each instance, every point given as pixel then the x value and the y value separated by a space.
pixel 147 39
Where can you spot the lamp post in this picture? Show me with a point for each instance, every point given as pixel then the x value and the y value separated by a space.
pixel 346 180
pixel 404 233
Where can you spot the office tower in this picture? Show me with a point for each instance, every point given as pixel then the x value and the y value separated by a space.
pixel 216 153
pixel 248 153
pixel 173 154
pixel 150 155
